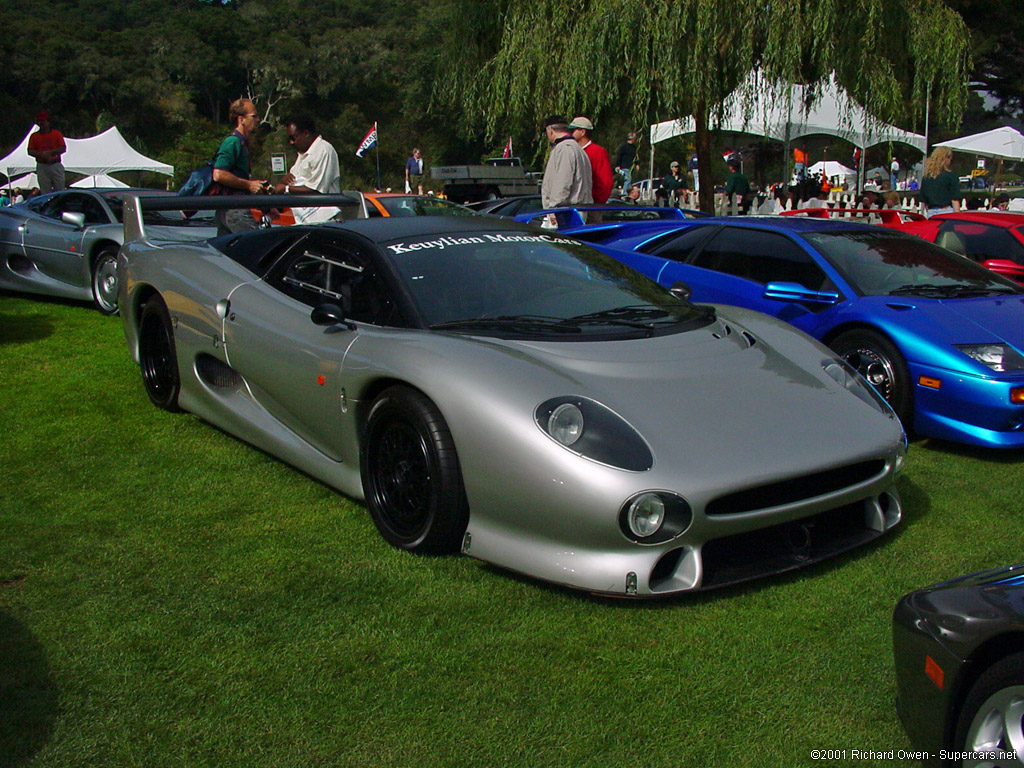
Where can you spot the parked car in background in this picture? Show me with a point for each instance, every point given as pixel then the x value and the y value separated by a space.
pixel 993 239
pixel 958 649
pixel 940 337
pixel 516 395
pixel 65 243
pixel 387 204
pixel 507 207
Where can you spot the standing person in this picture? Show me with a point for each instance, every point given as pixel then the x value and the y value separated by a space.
pixel 894 173
pixel 231 167
pixel 600 164
pixel 799 164
pixel 568 179
pixel 414 167
pixel 315 171
pixel 625 158
pixel 47 145
pixel 737 185
pixel 940 187
pixel 1001 202
pixel 696 175
pixel 5 198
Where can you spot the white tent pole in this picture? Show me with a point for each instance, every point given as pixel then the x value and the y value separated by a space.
pixel 651 175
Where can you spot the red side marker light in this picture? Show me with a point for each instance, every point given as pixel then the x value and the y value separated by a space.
pixel 1017 395
pixel 928 381
pixel 934 672
pixel 320 380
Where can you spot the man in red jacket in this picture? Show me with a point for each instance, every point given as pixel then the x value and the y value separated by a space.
pixel 47 145
pixel 600 164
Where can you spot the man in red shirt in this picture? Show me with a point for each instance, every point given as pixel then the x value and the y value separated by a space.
pixel 47 145
pixel 600 164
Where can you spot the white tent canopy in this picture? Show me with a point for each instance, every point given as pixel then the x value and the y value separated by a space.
pixel 103 153
pixel 99 180
pixel 831 169
pixel 28 181
pixel 776 110
pixel 1005 142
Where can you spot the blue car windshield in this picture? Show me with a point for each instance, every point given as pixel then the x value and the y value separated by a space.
pixel 885 263
pixel 520 284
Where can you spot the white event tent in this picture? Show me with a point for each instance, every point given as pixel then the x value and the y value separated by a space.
pixel 1005 143
pixel 831 169
pixel 99 180
pixel 777 111
pixel 103 153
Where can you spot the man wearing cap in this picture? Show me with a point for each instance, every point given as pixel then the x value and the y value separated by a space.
pixel 671 188
pixel 625 159
pixel 600 163
pixel 47 145
pixel 568 179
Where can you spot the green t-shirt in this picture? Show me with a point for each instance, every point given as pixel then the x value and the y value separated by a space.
pixel 233 156
pixel 737 184
pixel 940 191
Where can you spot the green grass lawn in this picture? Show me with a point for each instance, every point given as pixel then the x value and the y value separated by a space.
pixel 170 596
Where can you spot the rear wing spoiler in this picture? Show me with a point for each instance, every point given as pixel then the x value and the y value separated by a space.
pixel 885 215
pixel 136 205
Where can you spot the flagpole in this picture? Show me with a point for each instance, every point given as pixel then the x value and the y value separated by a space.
pixel 376 152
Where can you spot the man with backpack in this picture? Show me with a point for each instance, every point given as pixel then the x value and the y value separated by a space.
pixel 231 167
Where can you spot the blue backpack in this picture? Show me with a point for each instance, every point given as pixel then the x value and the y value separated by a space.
pixel 198 182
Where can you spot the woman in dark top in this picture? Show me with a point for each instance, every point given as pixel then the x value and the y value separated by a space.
pixel 940 187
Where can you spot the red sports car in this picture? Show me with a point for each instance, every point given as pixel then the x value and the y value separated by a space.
pixel 994 239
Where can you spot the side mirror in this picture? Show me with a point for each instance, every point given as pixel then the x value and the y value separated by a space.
pixel 76 220
pixel 785 291
pixel 681 290
pixel 330 316
pixel 1006 268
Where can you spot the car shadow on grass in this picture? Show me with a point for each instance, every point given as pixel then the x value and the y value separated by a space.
pixel 17 328
pixel 28 694
pixel 995 455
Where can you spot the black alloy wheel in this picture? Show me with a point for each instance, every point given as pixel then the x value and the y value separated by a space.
pixel 411 475
pixel 157 356
pixel 878 360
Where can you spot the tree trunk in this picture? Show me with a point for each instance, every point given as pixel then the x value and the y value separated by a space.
pixel 702 138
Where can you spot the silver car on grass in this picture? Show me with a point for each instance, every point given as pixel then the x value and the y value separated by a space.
pixel 514 394
pixel 65 243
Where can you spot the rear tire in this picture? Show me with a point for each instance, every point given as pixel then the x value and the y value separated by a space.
pixel 104 281
pixel 411 475
pixel 157 356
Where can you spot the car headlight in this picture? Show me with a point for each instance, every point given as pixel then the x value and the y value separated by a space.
pixel 589 429
pixel 652 517
pixel 998 357
pixel 847 377
pixel 565 423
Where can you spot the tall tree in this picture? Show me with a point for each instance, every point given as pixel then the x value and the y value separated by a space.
pixel 515 60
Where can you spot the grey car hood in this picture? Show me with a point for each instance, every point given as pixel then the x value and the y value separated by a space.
pixel 712 400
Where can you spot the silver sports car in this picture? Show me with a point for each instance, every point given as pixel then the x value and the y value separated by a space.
pixel 516 395
pixel 65 243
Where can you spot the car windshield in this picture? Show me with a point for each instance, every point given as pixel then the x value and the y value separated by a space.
pixel 885 263
pixel 422 206
pixel 525 285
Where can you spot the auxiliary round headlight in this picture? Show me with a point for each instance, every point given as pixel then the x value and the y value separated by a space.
pixel 566 423
pixel 645 515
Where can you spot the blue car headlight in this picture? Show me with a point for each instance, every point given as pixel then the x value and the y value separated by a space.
pixel 999 357
pixel 589 429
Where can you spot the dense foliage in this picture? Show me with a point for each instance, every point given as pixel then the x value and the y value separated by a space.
pixel 459 77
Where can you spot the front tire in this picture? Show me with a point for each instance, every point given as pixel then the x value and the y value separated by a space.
pixel 104 281
pixel 992 718
pixel 411 475
pixel 157 355
pixel 879 361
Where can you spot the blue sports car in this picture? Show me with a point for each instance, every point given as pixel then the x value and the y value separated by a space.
pixel 942 338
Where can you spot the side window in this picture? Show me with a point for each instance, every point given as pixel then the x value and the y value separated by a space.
pixel 979 241
pixel 325 269
pixel 762 257
pixel 682 246
pixel 85 204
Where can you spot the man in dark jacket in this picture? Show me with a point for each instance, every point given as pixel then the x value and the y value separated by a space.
pixel 625 159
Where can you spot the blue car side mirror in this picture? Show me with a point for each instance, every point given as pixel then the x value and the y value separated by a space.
pixel 786 291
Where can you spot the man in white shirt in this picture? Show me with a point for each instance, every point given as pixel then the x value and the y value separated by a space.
pixel 315 171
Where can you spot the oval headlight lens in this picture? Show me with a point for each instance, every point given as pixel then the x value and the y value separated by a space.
pixel 566 423
pixel 645 515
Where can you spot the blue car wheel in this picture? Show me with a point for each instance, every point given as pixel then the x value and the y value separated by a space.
pixel 879 361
